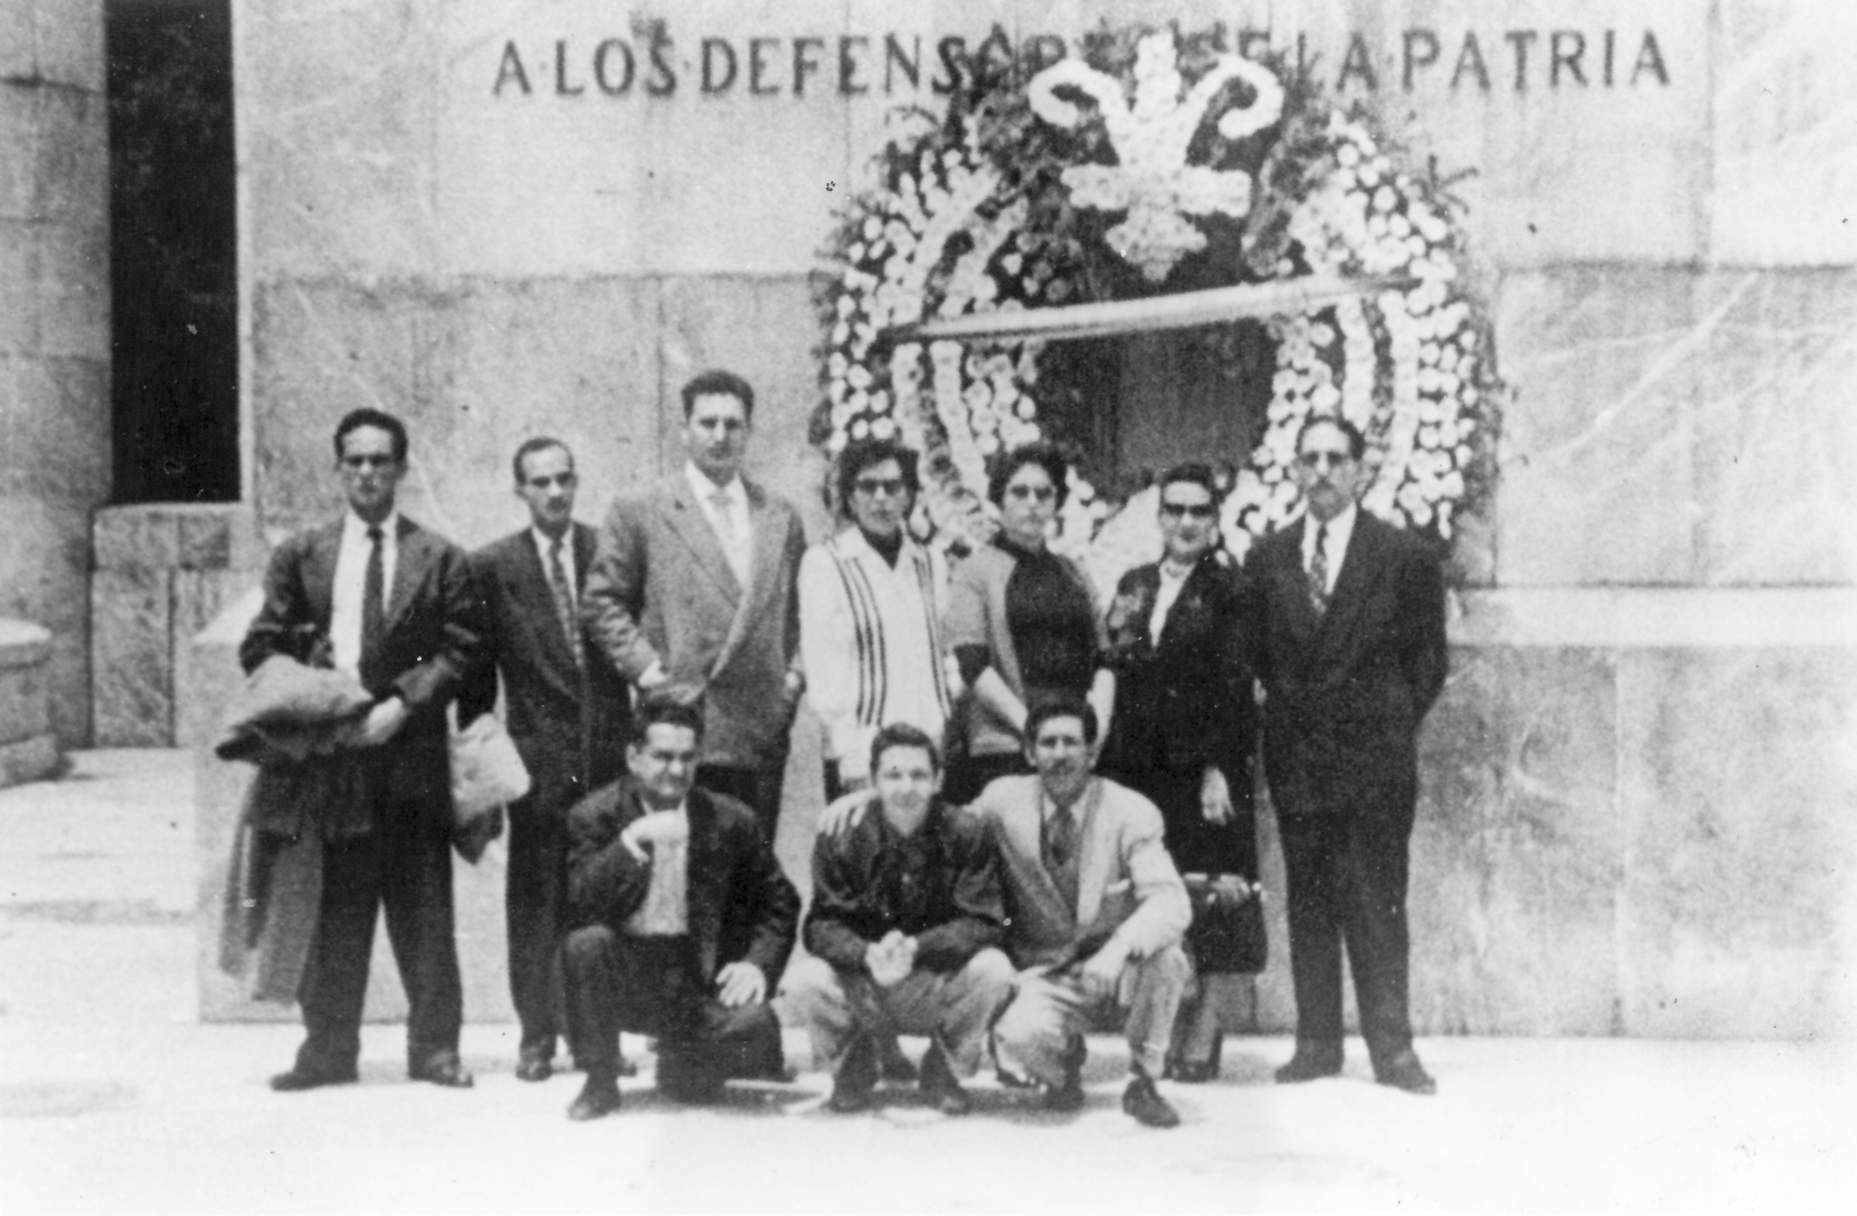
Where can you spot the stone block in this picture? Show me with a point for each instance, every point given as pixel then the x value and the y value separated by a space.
pixel 136 538
pixel 71 179
pixel 1776 427
pixel 22 700
pixel 44 578
pixel 19 291
pixel 1597 478
pixel 60 426
pixel 133 669
pixel 23 644
pixel 1736 793
pixel 1515 855
pixel 1783 163
pixel 336 124
pixel 16 41
pixel 26 760
pixel 69 44
pixel 200 597
pixel 74 290
pixel 19 137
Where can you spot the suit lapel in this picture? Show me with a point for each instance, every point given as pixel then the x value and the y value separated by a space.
pixel 763 563
pixel 1292 584
pixel 685 517
pixel 1094 856
pixel 319 573
pixel 1023 827
pixel 1360 565
pixel 409 567
pixel 701 889
pixel 529 586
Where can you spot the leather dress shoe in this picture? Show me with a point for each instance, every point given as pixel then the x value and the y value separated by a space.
pixel 1309 1065
pixel 300 1078
pixel 599 1096
pixel 1196 1072
pixel 941 1085
pixel 1145 1105
pixel 534 1066
pixel 1405 1072
pixel 445 1070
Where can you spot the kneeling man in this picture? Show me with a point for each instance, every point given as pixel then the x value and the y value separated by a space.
pixel 1094 910
pixel 905 916
pixel 685 922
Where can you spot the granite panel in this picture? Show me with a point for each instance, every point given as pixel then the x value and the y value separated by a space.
pixel 764 330
pixel 44 576
pixel 1737 800
pixel 67 43
pixel 71 173
pixel 26 760
pixel 1597 454
pixel 74 291
pixel 22 701
pixel 1784 165
pixel 19 137
pixel 1776 427
pixel 19 291
pixel 57 424
pixel 16 39
pixel 1515 856
pixel 337 119
pixel 132 672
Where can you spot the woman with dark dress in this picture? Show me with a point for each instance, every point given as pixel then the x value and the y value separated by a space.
pixel 1185 735
pixel 1022 623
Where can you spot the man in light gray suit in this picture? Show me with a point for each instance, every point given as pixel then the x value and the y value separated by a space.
pixel 693 595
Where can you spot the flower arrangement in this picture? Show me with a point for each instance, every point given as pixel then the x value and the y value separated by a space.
pixel 1184 166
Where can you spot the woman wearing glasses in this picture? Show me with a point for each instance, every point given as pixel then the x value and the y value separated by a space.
pixel 1023 623
pixel 1185 735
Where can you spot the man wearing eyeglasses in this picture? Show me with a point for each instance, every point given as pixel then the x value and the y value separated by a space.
pixel 1345 617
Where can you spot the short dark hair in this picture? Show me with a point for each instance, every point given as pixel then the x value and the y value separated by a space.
pixel 1061 705
pixel 861 454
pixel 718 382
pixel 1045 455
pixel 354 420
pixel 1195 472
pixel 1357 442
pixel 663 711
pixel 902 734
pixel 541 443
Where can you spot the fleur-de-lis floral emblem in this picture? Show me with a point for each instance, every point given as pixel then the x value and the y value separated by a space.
pixel 1151 180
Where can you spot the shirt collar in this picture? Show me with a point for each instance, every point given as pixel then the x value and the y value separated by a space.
pixel 706 490
pixel 1340 528
pixel 545 542
pixel 355 528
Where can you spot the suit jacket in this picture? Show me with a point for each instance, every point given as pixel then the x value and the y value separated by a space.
pixel 1127 887
pixel 1184 700
pixel 741 907
pixel 661 590
pixel 1346 691
pixel 430 640
pixel 569 724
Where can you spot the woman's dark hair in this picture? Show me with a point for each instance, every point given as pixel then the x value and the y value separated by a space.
pixel 861 454
pixel 1045 455
pixel 1197 472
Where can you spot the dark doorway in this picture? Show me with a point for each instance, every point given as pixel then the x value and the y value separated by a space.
pixel 173 252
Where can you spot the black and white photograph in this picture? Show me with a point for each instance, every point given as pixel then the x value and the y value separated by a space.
pixel 972 606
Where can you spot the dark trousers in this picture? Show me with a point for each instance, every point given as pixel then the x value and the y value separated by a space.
pixel 1347 882
pixel 654 986
pixel 405 865
pixel 535 906
pixel 760 788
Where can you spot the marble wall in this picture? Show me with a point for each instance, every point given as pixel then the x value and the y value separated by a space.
pixel 54 330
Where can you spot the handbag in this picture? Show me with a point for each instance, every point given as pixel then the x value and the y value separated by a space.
pixel 1227 933
pixel 486 773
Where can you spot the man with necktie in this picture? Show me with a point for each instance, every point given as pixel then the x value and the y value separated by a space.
pixel 1345 615
pixel 376 596
pixel 568 716
pixel 693 595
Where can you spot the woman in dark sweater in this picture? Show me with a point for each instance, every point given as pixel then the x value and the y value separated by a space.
pixel 1022 622
pixel 1185 736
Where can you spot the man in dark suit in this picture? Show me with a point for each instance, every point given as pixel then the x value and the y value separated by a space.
pixel 683 922
pixel 567 711
pixel 694 595
pixel 1346 618
pixel 375 595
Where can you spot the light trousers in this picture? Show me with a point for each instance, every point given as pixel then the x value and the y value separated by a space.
pixel 1037 1035
pixel 840 1007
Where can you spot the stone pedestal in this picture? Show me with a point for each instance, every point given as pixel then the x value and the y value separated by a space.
pixel 28 750
pixel 163 571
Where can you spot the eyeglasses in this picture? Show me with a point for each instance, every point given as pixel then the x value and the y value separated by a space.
pixel 1041 493
pixel 369 462
pixel 1198 510
pixel 1318 458
pixel 893 486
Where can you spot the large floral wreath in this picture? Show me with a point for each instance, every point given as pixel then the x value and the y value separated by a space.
pixel 1149 164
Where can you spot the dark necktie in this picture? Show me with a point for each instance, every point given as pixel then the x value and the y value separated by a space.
pixel 564 603
pixel 1061 854
pixel 373 610
pixel 1318 571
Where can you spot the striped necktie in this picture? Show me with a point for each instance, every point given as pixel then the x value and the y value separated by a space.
pixel 564 603
pixel 1318 571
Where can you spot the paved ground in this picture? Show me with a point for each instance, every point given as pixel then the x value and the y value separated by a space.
pixel 113 1098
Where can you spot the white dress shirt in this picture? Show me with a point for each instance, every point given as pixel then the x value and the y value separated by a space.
pixel 665 910
pixel 1164 598
pixel 735 536
pixel 1334 548
pixel 351 572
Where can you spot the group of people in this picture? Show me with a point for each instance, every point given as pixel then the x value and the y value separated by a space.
pixel 1040 811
